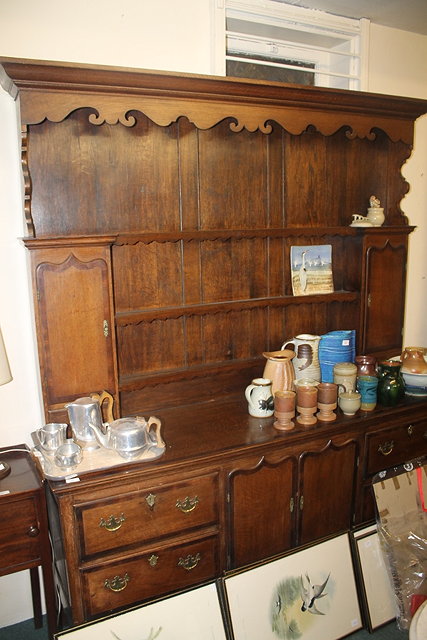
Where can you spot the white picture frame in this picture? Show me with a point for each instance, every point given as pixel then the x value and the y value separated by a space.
pixel 276 600
pixel 375 589
pixel 192 614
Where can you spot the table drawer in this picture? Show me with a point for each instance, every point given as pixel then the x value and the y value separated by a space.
pixel 388 447
pixel 142 516
pixel 19 534
pixel 146 576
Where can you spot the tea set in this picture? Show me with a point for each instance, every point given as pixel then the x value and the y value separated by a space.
pixel 296 383
pixel 96 442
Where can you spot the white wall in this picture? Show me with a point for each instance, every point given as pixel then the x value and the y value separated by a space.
pixel 156 34
pixel 397 66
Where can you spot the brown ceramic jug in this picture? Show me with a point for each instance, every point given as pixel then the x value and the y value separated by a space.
pixel 413 360
pixel 280 370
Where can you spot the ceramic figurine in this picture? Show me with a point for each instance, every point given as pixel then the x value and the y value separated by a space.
pixel 375 212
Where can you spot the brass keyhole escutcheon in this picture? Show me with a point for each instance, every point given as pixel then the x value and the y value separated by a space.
pixel 153 560
pixel 151 500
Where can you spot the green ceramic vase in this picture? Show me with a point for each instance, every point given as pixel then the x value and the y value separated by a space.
pixel 391 387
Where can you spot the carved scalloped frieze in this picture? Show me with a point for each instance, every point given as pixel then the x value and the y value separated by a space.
pixel 27 182
pixel 204 114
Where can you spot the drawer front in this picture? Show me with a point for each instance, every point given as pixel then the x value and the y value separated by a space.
pixel 389 447
pixel 147 515
pixel 19 534
pixel 140 578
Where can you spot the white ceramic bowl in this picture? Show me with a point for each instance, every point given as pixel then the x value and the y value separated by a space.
pixel 415 383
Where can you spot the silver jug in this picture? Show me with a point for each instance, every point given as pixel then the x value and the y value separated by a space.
pixel 85 417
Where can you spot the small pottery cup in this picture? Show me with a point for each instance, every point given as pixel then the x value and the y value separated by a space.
pixel 349 402
pixel 367 387
pixel 306 405
pixel 327 401
pixel 284 410
pixel 260 398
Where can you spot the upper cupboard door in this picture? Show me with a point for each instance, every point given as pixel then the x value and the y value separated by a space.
pixel 383 293
pixel 75 323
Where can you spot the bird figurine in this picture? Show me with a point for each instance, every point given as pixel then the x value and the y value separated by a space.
pixel 310 593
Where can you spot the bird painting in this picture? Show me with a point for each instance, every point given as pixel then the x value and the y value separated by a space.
pixel 310 593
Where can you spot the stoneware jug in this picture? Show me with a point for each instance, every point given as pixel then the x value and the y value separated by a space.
pixel 413 360
pixel 260 398
pixel 306 361
pixel 279 369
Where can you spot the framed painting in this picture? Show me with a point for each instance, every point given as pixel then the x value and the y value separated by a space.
pixel 311 269
pixel 376 592
pixel 309 594
pixel 191 614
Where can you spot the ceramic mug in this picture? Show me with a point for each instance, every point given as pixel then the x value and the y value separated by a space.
pixel 367 387
pixel 260 398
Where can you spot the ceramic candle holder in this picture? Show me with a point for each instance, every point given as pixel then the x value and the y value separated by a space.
pixel 306 405
pixel 284 410
pixel 327 401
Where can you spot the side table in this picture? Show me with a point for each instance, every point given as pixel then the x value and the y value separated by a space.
pixel 24 536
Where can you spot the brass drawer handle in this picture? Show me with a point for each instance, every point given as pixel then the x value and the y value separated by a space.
pixel 151 500
pixel 188 504
pixel 112 523
pixel 190 562
pixel 386 448
pixel 410 430
pixel 117 583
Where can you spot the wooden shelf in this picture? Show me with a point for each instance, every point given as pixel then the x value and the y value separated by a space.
pixel 168 313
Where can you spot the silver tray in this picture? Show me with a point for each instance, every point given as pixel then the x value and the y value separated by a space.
pixel 95 460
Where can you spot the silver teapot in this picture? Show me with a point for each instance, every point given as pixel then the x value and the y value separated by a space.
pixel 130 437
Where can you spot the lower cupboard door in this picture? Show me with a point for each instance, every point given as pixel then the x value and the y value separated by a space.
pixel 146 576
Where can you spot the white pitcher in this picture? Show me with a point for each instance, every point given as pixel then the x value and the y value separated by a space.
pixel 306 362
pixel 260 398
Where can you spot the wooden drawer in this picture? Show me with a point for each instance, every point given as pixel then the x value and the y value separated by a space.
pixel 388 447
pixel 19 535
pixel 145 576
pixel 141 516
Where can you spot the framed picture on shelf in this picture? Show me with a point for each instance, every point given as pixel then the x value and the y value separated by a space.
pixel 309 594
pixel 311 269
pixel 192 614
pixel 376 592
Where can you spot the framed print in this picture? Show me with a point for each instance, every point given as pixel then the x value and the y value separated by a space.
pixel 311 269
pixel 376 592
pixel 191 614
pixel 309 594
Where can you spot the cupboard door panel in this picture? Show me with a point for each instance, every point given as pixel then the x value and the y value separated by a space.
pixel 326 495
pixel 76 328
pixel 262 510
pixel 383 301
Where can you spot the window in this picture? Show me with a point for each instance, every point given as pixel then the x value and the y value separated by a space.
pixel 272 40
